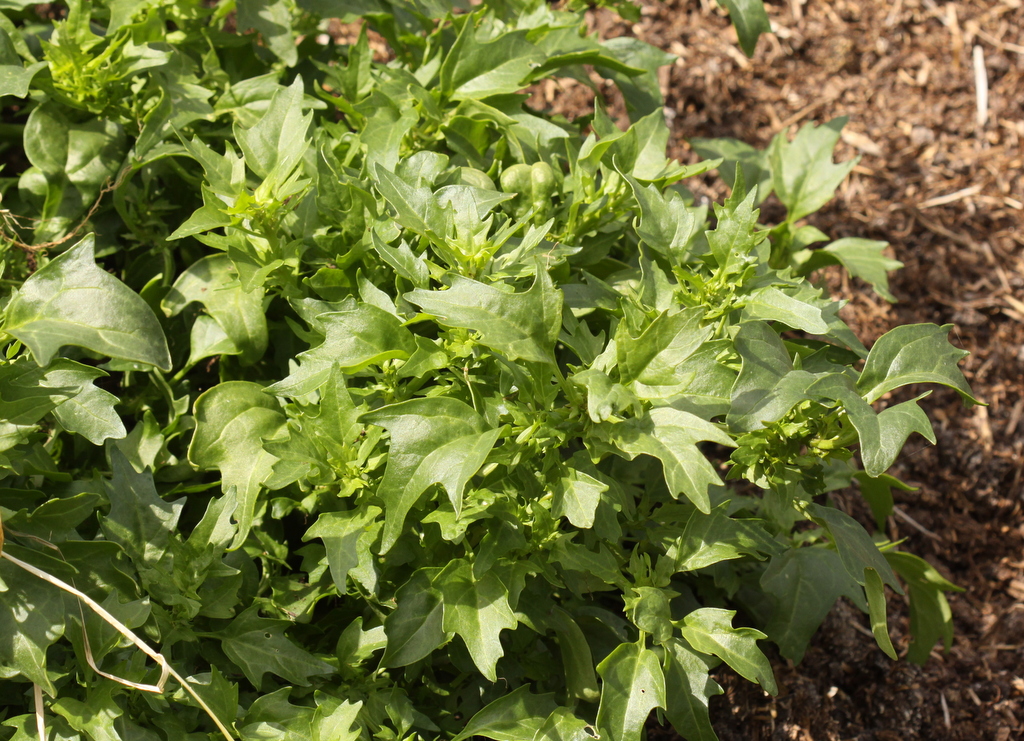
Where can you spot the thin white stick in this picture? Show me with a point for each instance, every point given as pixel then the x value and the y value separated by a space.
pixel 967 192
pixel 40 717
pixel 126 632
pixel 980 85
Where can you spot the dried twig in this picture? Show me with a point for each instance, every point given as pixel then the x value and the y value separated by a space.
pixel 950 197
pixel 124 630
pixel 9 220
pixel 915 524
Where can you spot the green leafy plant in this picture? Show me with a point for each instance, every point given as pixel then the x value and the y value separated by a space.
pixel 370 402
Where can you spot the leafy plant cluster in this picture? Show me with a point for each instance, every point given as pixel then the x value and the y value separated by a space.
pixel 388 406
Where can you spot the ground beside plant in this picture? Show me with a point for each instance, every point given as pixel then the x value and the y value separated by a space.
pixel 903 72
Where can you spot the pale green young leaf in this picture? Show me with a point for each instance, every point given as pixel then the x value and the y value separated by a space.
pixel 357 335
pixel 803 173
pixel 605 398
pixel 259 645
pixel 475 68
pixel 336 720
pixel 213 282
pixel 521 326
pixel 711 538
pixel 710 631
pixel 414 629
pixel 875 591
pixel 72 301
pixel 665 224
pixel 736 233
pixel 651 360
pixel 476 609
pixel 433 441
pixel 913 353
pixel 672 436
pixel 750 20
pixel 632 685
pixel 232 421
pixel 576 496
pixel 688 688
pixel 862 258
pixel 275 145
pixel 415 205
pixel 515 716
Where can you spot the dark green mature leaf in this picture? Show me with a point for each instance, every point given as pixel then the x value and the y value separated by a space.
pixel 91 414
pixel 139 520
pixel 433 441
pixel 753 162
pixel 632 684
pixel 688 688
pixel 750 19
pixel 71 301
pixel 31 619
pixel 232 421
pixel 97 716
pixel 348 536
pixel 931 619
pixel 273 20
pixel 802 170
pixel 258 645
pixel 238 314
pixel 414 628
pixel 477 610
pixel 856 549
pixel 805 582
pixel 521 326
pixel 709 630
pixel 913 353
pixel 877 492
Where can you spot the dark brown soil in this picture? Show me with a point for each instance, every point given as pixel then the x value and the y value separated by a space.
pixel 948 193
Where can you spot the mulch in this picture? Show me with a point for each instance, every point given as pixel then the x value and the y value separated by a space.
pixel 945 187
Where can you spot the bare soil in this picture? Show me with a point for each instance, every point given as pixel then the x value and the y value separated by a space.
pixel 945 187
